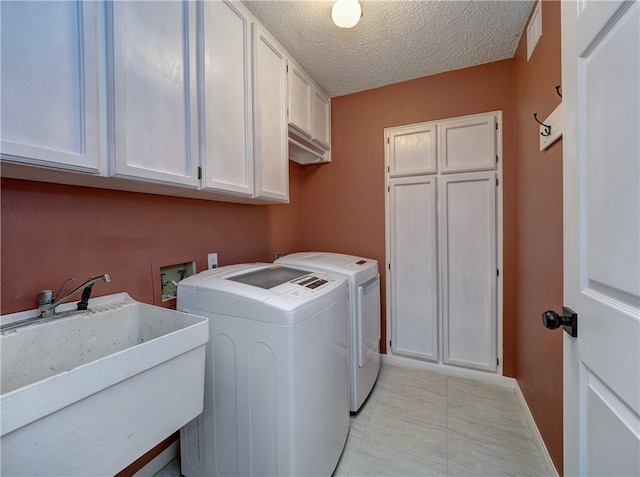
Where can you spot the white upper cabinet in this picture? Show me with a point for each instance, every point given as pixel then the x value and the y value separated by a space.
pixel 152 91
pixel 150 95
pixel 270 113
pixel 226 97
pixel 309 118
pixel 50 84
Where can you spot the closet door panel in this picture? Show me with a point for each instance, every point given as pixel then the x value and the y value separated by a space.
pixel 412 150
pixel 468 264
pixel 414 279
pixel 467 144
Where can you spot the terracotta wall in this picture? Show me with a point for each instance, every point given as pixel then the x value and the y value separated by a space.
pixel 51 232
pixel 539 232
pixel 344 201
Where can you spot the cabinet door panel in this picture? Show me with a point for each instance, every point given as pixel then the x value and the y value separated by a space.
pixel 299 101
pixel 270 138
pixel 412 150
pixel 154 111
pixel 225 95
pixel 468 262
pixel 468 144
pixel 321 119
pixel 50 89
pixel 414 258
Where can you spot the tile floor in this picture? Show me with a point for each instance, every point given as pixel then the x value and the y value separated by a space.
pixel 421 423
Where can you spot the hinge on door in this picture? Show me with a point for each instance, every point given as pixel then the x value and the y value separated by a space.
pixel 199 172
pixel 389 266
pixel 497 159
pixel 496 126
pixel 498 361
pixel 388 169
pixel 388 141
pixel 287 68
pixel 388 188
pixel 497 182
pixel 389 343
pixel 497 272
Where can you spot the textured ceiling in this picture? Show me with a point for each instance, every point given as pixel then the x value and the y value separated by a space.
pixel 395 40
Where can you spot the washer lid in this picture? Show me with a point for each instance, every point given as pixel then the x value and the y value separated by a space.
pixel 356 269
pixel 268 278
pixel 289 302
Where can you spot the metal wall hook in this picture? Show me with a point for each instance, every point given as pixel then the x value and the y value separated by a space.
pixel 558 91
pixel 547 128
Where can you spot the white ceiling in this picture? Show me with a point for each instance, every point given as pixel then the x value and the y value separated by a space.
pixel 396 40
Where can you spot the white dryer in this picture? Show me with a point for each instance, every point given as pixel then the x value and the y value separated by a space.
pixel 276 396
pixel 364 314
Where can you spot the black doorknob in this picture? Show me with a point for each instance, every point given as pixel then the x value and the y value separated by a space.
pixel 568 320
pixel 551 320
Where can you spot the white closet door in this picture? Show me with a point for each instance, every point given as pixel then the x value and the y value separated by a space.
pixel 469 269
pixel 468 144
pixel 414 273
pixel 412 150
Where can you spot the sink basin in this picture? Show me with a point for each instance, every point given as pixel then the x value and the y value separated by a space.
pixel 89 393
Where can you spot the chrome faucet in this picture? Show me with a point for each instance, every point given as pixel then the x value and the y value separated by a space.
pixel 46 298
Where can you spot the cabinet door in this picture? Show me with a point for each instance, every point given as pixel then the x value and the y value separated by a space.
pixel 50 89
pixel 413 254
pixel 300 90
pixel 468 144
pixel 270 111
pixel 468 262
pixel 225 98
pixel 153 108
pixel 321 119
pixel 412 150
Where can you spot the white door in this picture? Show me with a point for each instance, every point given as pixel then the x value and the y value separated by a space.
pixel 443 246
pixel 50 110
pixel 270 112
pixel 153 109
pixel 468 266
pixel 413 258
pixel 601 154
pixel 225 97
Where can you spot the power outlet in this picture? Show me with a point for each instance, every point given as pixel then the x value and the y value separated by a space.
pixel 212 261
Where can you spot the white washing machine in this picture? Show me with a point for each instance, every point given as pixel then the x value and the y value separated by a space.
pixel 364 314
pixel 276 396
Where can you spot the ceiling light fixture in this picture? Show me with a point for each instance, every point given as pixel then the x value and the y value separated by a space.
pixel 346 13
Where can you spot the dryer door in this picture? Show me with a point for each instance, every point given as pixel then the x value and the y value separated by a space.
pixel 368 320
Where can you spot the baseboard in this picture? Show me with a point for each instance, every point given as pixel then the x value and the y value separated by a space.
pixel 485 377
pixel 544 452
pixel 160 461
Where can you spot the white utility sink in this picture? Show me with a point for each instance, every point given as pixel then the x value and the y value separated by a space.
pixel 89 393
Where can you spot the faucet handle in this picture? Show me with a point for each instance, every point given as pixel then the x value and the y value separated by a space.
pixel 64 284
